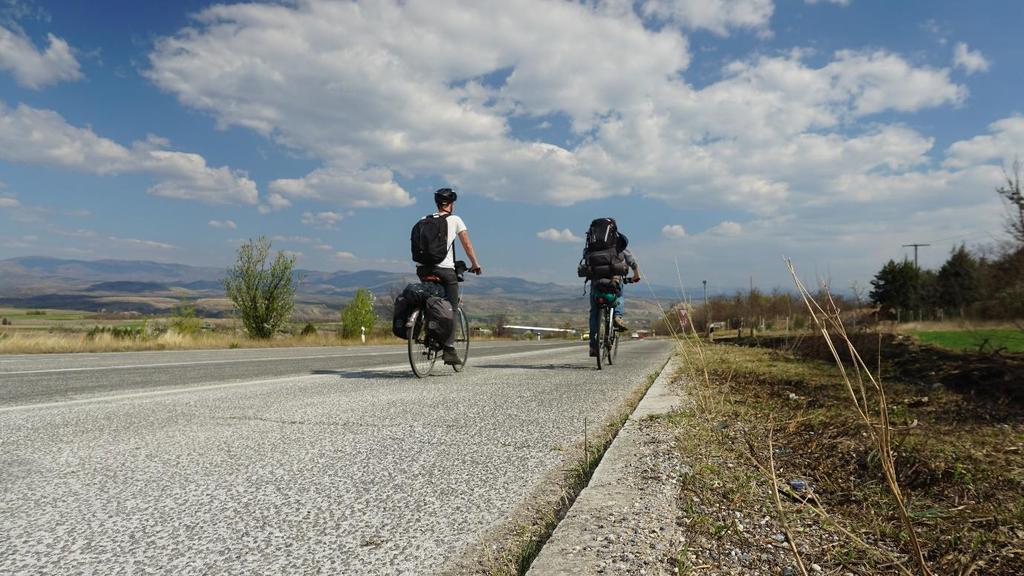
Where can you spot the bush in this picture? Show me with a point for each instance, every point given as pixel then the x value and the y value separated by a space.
pixel 263 297
pixel 308 330
pixel 185 321
pixel 117 332
pixel 36 313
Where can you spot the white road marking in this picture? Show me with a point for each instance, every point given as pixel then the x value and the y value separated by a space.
pixel 205 387
pixel 200 362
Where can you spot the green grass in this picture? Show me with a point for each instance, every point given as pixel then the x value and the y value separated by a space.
pixel 985 340
pixel 41 315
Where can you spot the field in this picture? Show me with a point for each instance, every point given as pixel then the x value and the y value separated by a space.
pixel 983 340
pixel 959 461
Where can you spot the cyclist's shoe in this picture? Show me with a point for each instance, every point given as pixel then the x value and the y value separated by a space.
pixel 451 357
pixel 593 351
pixel 619 326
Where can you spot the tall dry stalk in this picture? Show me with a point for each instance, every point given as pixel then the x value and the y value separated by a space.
pixel 828 322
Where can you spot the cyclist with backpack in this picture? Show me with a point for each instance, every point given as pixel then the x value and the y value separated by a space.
pixel 433 250
pixel 606 259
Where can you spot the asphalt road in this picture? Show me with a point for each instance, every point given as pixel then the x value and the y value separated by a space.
pixel 332 461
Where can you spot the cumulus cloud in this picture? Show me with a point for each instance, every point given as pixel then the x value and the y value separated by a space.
pixel 726 228
pixel 366 188
pixel 719 16
pixel 673 231
pixel 1003 143
pixel 35 136
pixel 564 235
pixel 970 61
pixel 9 202
pixel 322 219
pixel 35 68
pixel 379 91
pixel 223 224
pixel 342 255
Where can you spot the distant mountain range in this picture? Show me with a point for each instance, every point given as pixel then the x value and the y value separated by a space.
pixel 154 287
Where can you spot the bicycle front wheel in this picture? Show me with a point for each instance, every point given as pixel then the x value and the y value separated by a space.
pixel 421 357
pixel 461 328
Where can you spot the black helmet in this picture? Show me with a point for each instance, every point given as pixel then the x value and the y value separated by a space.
pixel 445 196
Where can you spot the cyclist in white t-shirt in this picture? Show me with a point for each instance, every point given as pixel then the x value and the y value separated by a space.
pixel 445 199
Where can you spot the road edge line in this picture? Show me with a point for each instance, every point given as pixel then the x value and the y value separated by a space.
pixel 524 539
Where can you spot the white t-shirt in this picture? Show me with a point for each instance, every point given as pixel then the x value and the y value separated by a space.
pixel 455 225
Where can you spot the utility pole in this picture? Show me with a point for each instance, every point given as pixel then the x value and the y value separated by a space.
pixel 915 246
pixel 707 312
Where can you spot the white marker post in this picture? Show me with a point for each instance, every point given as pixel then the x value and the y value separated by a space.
pixel 362 333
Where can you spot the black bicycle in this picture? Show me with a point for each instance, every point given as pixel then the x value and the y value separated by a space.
pixel 607 335
pixel 423 350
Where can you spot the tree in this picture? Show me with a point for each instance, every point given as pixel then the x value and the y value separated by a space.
pixel 958 281
pixel 185 320
pixel 358 314
pixel 1014 198
pixel 263 297
pixel 896 286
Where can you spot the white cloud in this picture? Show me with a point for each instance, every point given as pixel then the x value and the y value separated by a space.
pixel 36 136
pixel 716 15
pixel 840 2
pixel 673 231
pixel 223 224
pixel 34 68
pixel 564 235
pixel 322 219
pixel 385 91
pixel 351 188
pixel 1004 143
pixel 9 202
pixel 344 255
pixel 970 61
pixel 135 242
pixel 726 228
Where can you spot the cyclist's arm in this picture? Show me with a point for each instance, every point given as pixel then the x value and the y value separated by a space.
pixel 467 245
pixel 632 263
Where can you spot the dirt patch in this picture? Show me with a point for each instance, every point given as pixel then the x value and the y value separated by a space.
pixel 995 381
pixel 960 464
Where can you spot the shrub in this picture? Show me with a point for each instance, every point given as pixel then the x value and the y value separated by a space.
pixel 358 314
pixel 264 297
pixel 185 321
pixel 308 330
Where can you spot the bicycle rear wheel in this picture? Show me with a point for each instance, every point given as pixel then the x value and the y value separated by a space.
pixel 421 357
pixel 602 332
pixel 461 328
pixel 611 344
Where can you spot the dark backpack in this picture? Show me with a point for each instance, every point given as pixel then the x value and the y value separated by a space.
pixel 602 234
pixel 440 317
pixel 430 240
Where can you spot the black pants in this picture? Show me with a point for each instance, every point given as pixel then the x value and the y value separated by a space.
pixel 451 290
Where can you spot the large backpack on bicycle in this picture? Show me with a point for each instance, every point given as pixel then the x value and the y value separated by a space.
pixel 602 256
pixel 429 239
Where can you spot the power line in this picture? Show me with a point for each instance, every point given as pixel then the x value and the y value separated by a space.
pixel 915 246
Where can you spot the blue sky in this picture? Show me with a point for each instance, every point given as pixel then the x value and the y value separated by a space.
pixel 722 134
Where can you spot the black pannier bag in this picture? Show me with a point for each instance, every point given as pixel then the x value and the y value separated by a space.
pixel 414 296
pixel 417 294
pixel 440 318
pixel 401 316
pixel 429 240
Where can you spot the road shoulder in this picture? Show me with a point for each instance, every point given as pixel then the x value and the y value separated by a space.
pixel 626 517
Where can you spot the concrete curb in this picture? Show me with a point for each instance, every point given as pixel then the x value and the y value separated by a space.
pixel 611 489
